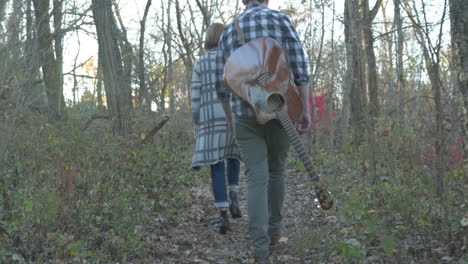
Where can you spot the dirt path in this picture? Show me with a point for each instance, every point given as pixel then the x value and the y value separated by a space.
pixel 193 237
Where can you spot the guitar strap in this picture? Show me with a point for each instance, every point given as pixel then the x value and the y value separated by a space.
pixel 239 31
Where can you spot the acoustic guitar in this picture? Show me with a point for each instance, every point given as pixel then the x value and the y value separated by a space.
pixel 258 72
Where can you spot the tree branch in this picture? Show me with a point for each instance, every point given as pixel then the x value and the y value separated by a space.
pixel 155 129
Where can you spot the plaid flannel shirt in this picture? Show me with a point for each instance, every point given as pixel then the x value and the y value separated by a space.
pixel 255 22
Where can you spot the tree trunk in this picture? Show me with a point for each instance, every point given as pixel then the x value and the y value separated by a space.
pixel 99 86
pixel 167 51
pixel 355 82
pixel 30 62
pixel 387 84
pixel 58 43
pixel 115 85
pixel 51 68
pixel 436 83
pixel 143 98
pixel 459 28
pixel 371 74
pixel 399 61
pixel 331 101
pixel 372 85
pixel 13 33
pixel 3 4
pixel 127 54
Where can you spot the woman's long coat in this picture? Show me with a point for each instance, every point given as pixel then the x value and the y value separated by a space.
pixel 213 140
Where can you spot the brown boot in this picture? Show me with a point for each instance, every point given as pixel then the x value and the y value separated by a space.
pixel 274 239
pixel 223 222
pixel 234 205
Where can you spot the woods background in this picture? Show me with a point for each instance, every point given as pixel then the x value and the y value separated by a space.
pixel 94 148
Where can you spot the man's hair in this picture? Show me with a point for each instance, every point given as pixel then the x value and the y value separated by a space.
pixel 246 2
pixel 213 33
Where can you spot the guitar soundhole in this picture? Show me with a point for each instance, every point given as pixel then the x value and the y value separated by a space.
pixel 275 102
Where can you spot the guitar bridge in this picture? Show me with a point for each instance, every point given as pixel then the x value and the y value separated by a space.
pixel 264 76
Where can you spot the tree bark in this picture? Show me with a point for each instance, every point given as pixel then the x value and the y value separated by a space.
pixel 99 81
pixel 387 85
pixel 51 68
pixel 143 98
pixel 355 82
pixel 127 54
pixel 115 85
pixel 30 62
pixel 58 42
pixel 167 54
pixel 372 84
pixel 400 78
pixel 459 32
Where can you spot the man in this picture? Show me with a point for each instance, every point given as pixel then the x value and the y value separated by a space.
pixel 263 147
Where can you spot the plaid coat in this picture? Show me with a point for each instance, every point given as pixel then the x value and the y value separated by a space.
pixel 213 141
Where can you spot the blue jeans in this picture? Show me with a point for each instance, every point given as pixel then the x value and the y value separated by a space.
pixel 218 180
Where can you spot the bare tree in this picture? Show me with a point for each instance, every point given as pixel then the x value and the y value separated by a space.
pixel 187 47
pixel 160 80
pixel 432 57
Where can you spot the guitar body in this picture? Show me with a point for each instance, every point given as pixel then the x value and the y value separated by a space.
pixel 257 70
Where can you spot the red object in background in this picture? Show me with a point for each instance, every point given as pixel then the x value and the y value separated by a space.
pixel 320 117
pixel 453 150
pixel 385 133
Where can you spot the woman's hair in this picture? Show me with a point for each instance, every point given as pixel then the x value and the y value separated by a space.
pixel 213 33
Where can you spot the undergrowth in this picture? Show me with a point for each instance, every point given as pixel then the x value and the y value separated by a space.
pixel 389 212
pixel 68 192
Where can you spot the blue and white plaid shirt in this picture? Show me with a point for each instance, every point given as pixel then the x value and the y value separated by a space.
pixel 255 22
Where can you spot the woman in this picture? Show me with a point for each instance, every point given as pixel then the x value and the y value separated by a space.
pixel 214 145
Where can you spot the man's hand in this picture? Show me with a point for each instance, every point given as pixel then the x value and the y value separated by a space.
pixel 303 123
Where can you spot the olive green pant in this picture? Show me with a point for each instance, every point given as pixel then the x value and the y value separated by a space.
pixel 264 149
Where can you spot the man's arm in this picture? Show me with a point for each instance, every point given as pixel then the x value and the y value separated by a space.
pixel 299 65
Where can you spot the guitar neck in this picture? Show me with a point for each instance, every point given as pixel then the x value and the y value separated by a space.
pixel 283 117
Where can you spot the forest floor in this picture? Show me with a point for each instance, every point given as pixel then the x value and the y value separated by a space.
pixel 193 237
pixel 122 203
